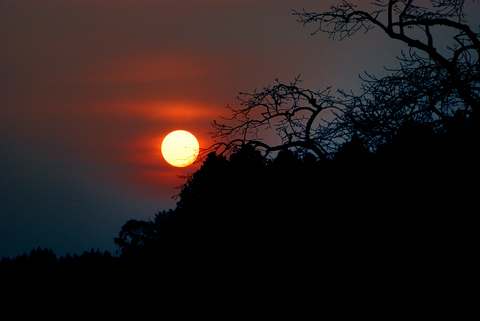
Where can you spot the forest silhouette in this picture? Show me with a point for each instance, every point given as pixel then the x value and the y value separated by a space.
pixel 398 218
pixel 380 198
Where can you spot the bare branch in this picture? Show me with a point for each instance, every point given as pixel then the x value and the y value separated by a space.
pixel 344 20
pixel 294 113
pixel 430 86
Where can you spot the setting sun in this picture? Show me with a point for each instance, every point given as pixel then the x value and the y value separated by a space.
pixel 180 148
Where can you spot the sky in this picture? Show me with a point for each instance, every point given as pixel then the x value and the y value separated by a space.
pixel 89 88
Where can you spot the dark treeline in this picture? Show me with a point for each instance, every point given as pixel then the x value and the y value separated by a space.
pixel 399 218
pixel 41 268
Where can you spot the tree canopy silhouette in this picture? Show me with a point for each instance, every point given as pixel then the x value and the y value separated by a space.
pixel 246 220
pixel 394 158
pixel 434 83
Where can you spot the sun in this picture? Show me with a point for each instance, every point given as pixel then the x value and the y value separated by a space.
pixel 180 148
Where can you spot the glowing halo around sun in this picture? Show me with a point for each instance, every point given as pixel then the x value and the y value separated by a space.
pixel 180 148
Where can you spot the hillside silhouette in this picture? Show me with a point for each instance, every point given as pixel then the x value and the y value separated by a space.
pixel 398 218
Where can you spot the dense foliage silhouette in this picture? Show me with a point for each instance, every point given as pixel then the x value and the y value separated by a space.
pixel 359 220
pixel 399 218
pixel 42 270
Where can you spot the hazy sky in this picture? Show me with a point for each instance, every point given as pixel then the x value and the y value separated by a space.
pixel 89 88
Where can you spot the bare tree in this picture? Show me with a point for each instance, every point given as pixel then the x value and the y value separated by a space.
pixel 431 85
pixel 303 120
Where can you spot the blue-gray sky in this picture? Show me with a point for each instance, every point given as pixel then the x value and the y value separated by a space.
pixel 89 88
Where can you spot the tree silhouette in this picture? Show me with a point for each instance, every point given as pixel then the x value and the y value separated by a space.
pixel 434 81
pixel 247 220
pixel 299 116
pixel 389 194
pixel 432 85
pixel 41 270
